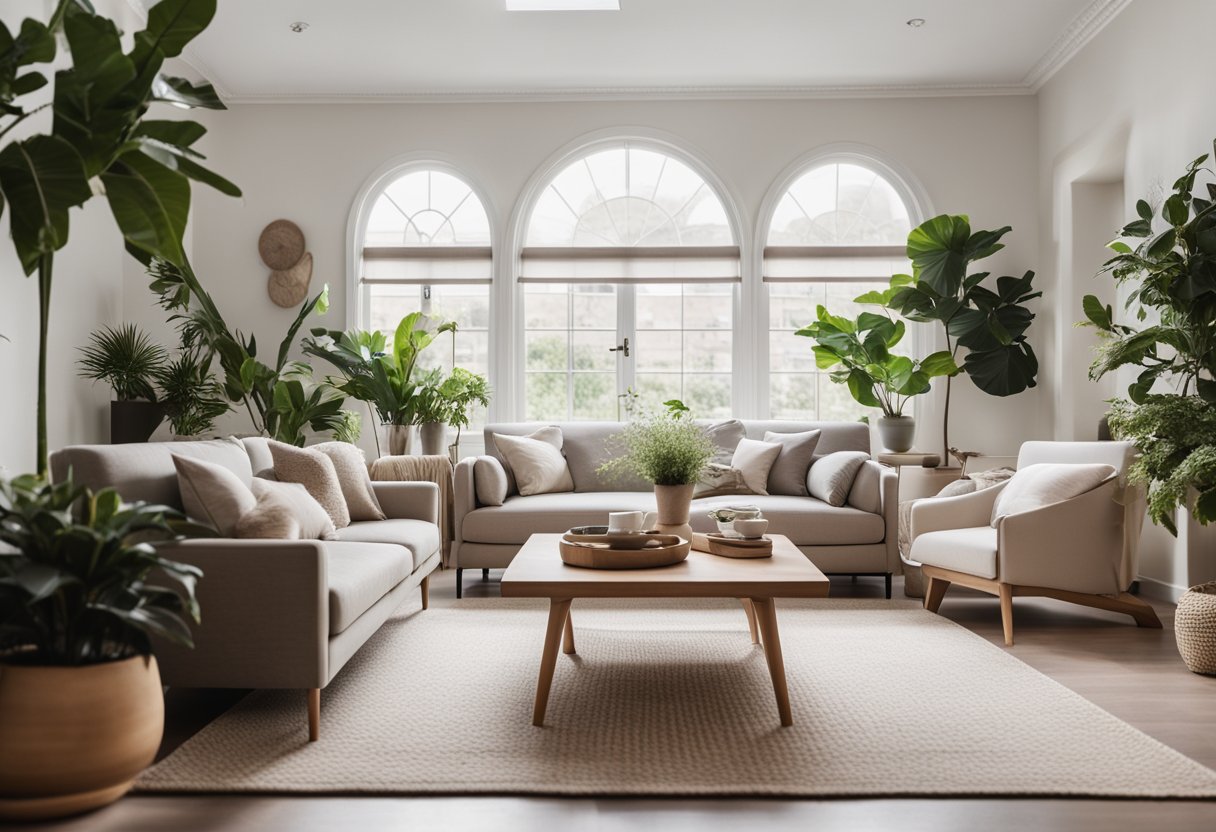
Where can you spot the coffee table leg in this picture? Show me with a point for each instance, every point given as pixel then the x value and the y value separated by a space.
pixel 766 614
pixel 559 611
pixel 568 634
pixel 751 619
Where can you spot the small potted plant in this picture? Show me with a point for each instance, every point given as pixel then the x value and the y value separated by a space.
pixel 192 397
pixel 875 376
pixel 463 390
pixel 81 596
pixel 129 361
pixel 671 451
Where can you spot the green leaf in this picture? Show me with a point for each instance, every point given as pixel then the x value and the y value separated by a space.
pixel 1100 316
pixel 1138 390
pixel 1206 389
pixel 183 93
pixel 825 358
pixel 179 133
pixel 938 251
pixel 41 177
pixel 1144 210
pixel 172 24
pixel 150 203
pixel 1119 246
pixel 1175 210
pixel 939 364
pixel 1164 242
pixel 1005 371
pixel 861 387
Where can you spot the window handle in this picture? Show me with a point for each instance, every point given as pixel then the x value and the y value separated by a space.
pixel 623 347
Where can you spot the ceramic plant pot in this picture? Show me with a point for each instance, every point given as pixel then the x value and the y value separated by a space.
pixel 134 421
pixel 434 437
pixel 399 439
pixel 896 433
pixel 74 739
pixel 674 502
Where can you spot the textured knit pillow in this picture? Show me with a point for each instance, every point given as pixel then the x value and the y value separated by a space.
pixel 831 477
pixel 755 459
pixel 490 481
pixel 284 511
pixel 353 479
pixel 1036 486
pixel 536 461
pixel 719 480
pixel 212 494
pixel 315 471
pixel 788 474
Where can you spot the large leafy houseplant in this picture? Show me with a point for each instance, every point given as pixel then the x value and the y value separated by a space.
pixel 1171 274
pixel 99 134
pixel 988 322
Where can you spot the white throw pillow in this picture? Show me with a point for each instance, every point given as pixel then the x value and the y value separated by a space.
pixel 212 494
pixel 536 461
pixel 490 481
pixel 1045 483
pixel 831 477
pixel 755 459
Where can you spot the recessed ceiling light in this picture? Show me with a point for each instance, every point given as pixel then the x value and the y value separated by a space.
pixel 916 22
pixel 298 27
pixel 563 5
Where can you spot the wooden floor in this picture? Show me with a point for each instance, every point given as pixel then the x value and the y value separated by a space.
pixel 1135 674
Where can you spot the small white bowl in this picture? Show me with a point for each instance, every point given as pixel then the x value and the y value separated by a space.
pixel 751 528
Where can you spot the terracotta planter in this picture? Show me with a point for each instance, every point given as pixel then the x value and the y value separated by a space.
pixel 399 439
pixel 1195 628
pixel 674 502
pixel 75 738
pixel 434 437
pixel 135 421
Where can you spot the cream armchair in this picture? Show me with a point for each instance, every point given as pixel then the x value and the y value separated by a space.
pixel 1081 550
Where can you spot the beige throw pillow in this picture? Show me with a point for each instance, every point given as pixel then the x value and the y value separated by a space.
pixel 284 511
pixel 536 461
pixel 316 472
pixel 490 481
pixel 726 435
pixel 755 459
pixel 212 494
pixel 355 482
pixel 718 480
pixel 1045 483
pixel 788 475
pixel 831 477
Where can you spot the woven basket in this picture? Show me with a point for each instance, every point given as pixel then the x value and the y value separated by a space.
pixel 1195 628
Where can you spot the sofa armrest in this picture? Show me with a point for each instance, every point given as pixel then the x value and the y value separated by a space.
pixel 966 511
pixel 1075 544
pixel 265 615
pixel 889 490
pixel 408 500
pixel 464 500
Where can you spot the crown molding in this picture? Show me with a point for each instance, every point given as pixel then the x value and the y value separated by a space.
pixel 541 95
pixel 1084 27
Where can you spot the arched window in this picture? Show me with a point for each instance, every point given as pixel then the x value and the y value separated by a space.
pixel 839 230
pixel 426 247
pixel 629 269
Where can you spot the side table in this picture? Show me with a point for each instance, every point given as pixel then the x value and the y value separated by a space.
pixel 436 469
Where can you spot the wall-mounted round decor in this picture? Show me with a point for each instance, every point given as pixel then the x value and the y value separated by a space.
pixel 289 287
pixel 281 244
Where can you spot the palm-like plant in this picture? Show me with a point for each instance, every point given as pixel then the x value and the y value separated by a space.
pixel 192 397
pixel 126 359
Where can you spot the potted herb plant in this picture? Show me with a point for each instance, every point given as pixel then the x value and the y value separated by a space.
pixel 876 377
pixel 670 450
pixel 129 361
pixel 82 592
pixel 1170 409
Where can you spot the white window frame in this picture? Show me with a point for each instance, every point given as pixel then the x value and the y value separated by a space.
pixel 512 291
pixel 914 197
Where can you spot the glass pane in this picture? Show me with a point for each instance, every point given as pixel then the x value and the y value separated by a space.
pixel 467 305
pixel 595 396
pixel 545 397
pixel 790 353
pixel 708 307
pixel 840 204
pixel 592 350
pixel 594 307
pixel 389 304
pixel 655 388
pixel 428 207
pixel 792 305
pixel 708 395
pixel 707 351
pixel 659 306
pixel 546 351
pixel 837 405
pixel 792 396
pixel 658 351
pixel 546 307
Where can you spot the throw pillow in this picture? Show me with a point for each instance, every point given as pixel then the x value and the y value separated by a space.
pixel 316 472
pixel 536 461
pixel 788 475
pixel 755 459
pixel 284 511
pixel 1045 483
pixel 490 481
pixel 726 435
pixel 212 494
pixel 831 477
pixel 353 479
pixel 718 480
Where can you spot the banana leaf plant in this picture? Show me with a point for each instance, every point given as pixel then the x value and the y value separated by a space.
pixel 988 322
pixel 875 376
pixel 99 134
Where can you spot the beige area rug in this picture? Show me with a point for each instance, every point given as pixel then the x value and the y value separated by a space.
pixel 671 698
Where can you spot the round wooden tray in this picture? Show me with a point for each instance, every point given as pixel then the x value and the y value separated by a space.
pixel 669 549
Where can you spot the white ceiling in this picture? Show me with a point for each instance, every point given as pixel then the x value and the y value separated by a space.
pixel 474 48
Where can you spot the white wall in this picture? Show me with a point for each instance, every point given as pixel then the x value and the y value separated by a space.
pixel 306 163
pixel 1133 108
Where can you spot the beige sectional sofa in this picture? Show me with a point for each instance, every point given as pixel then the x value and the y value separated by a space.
pixel 275 613
pixel 858 538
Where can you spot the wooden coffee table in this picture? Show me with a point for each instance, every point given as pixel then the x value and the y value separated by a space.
pixel 538 572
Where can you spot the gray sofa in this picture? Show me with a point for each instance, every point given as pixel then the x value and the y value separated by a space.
pixel 859 538
pixel 275 613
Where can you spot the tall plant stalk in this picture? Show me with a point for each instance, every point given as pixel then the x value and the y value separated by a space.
pixel 46 265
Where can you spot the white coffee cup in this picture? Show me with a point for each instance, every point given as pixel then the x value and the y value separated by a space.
pixel 630 521
pixel 754 527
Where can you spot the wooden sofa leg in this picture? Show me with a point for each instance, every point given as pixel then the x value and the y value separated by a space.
pixel 935 591
pixel 1006 593
pixel 314 714
pixel 459 582
pixel 426 591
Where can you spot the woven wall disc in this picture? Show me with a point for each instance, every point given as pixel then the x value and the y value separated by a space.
pixel 281 244
pixel 289 287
